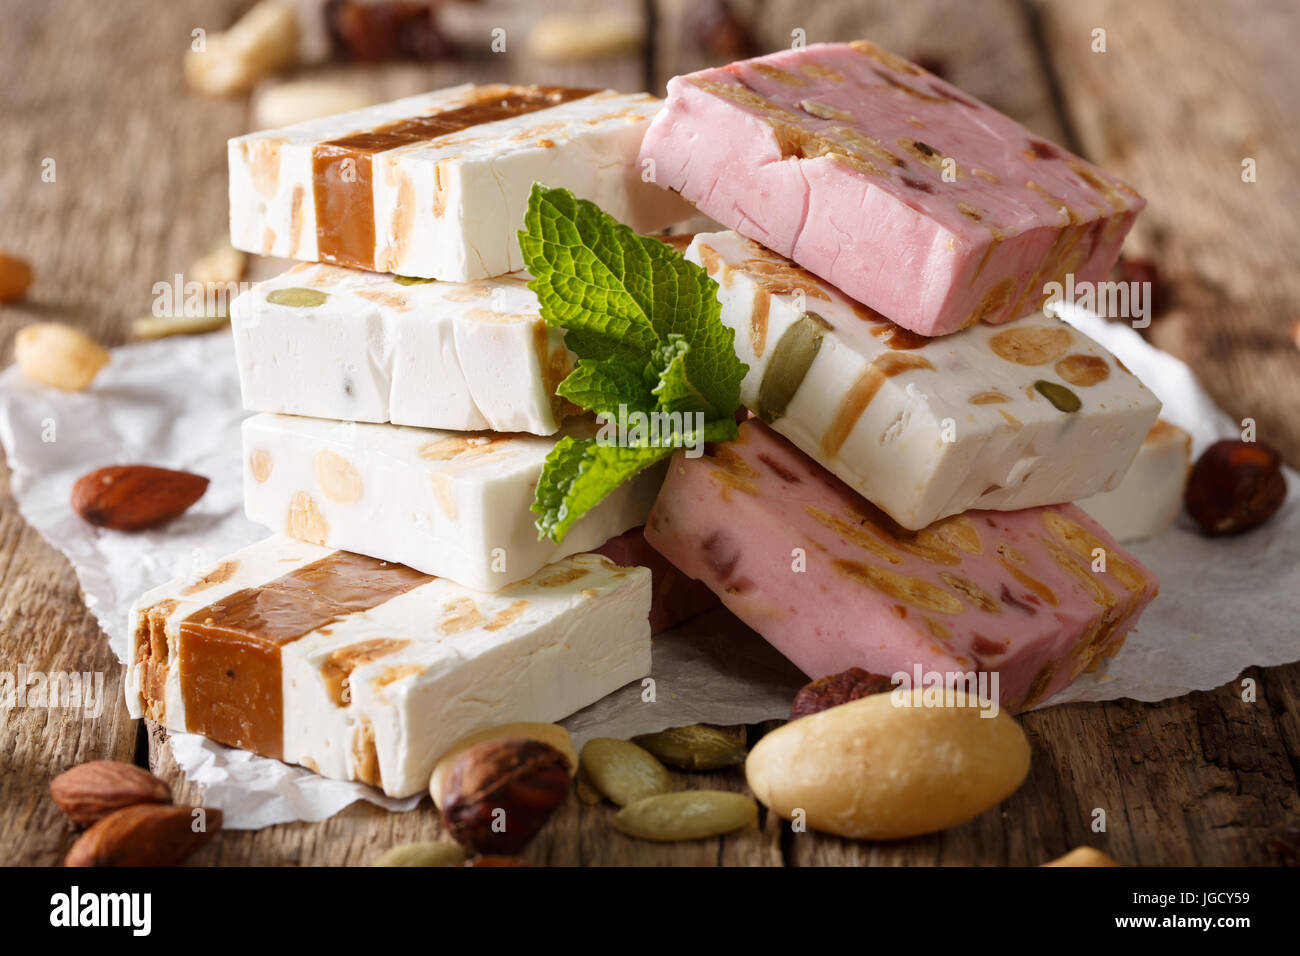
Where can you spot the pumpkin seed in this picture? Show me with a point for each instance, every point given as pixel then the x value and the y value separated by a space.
pixel 411 280
pixel 697 747
pixel 1061 397
pixel 587 791
pixel 791 359
pixel 422 854
pixel 688 815
pixel 622 771
pixel 297 297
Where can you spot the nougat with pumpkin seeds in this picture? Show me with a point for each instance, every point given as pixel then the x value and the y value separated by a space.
pixel 909 195
pixel 364 670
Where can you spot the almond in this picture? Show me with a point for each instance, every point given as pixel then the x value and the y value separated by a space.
pixel 15 277
pixel 93 790
pixel 135 497
pixel 148 834
pixel 58 355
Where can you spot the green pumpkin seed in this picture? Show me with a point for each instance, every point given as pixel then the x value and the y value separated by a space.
pixel 297 297
pixel 411 280
pixel 791 359
pixel 1061 397
pixel 697 747
pixel 688 815
pixel 422 854
pixel 622 771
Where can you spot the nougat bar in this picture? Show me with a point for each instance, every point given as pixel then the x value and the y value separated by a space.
pixel 436 185
pixel 999 417
pixel 454 504
pixel 1035 596
pixel 332 342
pixel 364 670
pixel 906 193
pixel 1151 495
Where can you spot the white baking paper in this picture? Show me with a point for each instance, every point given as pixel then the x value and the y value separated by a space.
pixel 1224 605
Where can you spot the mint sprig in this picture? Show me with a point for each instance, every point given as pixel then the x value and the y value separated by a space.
pixel 645 325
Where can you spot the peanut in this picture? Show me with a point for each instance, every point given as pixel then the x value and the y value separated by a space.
pixel 56 354
pixel 264 40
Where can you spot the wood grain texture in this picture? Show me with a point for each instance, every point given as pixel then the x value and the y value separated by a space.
pixel 1202 779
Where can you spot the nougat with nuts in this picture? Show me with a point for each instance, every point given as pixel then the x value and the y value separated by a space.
pixel 1034 597
pixel 365 670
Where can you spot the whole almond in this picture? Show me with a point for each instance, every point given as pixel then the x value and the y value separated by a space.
pixel 93 790
pixel 58 355
pixel 148 834
pixel 15 277
pixel 135 497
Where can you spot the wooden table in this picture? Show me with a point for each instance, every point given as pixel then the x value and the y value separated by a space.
pixel 1184 92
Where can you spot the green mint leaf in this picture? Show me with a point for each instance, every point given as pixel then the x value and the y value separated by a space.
pixel 646 327
pixel 579 474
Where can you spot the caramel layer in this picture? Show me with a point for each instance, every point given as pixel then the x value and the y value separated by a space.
pixel 229 657
pixel 341 168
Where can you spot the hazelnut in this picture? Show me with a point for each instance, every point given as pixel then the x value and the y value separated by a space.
pixel 1234 487
pixel 499 793
pixel 826 692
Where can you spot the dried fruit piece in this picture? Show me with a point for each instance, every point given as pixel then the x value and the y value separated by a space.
pixel 836 689
pixel 56 354
pixel 689 815
pixel 297 297
pixel 15 277
pixel 1235 486
pixel 147 834
pixel 135 497
pixel 1062 399
pixel 498 794
pixel 422 854
pixel 1083 856
pixel 552 734
pixel 375 30
pixel 697 747
pixel 622 771
pixel 93 790
pixel 719 31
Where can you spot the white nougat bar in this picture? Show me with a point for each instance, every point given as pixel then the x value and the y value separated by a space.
pixel 1004 417
pixel 454 504
pixel 436 185
pixel 353 345
pixel 368 671
pixel 1151 495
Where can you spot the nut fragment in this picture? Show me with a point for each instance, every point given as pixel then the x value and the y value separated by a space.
pixel 301 100
pixel 552 734
pixel 422 854
pixel 688 815
pixel 147 834
pixel 163 326
pixel 1235 487
pixel 697 747
pixel 135 497
pixel 622 771
pixel 498 794
pixel 570 38
pixel 836 689
pixel 15 277
pixel 56 354
pixel 93 790
pixel 264 40
pixel 1083 856
pixel 870 769
pixel 587 791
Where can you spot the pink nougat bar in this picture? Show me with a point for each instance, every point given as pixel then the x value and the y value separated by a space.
pixel 910 196
pixel 674 597
pixel 832 583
